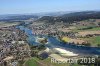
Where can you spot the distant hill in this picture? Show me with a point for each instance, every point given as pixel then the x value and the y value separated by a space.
pixel 54 16
pixel 53 13
pixel 17 17
pixel 30 15
pixel 71 17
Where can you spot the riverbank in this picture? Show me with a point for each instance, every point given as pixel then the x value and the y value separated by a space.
pixel 53 42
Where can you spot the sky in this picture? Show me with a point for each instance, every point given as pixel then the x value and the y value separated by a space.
pixel 37 6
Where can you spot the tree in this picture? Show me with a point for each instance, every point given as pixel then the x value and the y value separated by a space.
pixel 41 47
pixel 98 45
pixel 86 44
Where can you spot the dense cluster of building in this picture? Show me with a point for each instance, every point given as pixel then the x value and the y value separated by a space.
pixel 13 46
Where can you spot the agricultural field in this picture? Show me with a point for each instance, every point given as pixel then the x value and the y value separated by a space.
pixel 31 62
pixel 5 24
pixel 95 41
pixel 46 62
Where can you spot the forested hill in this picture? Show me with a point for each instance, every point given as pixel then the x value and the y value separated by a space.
pixel 71 17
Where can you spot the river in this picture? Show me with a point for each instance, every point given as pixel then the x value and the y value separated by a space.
pixel 54 43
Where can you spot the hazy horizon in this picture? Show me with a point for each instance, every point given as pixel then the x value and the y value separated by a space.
pixel 41 6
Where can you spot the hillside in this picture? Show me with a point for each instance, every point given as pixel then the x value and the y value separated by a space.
pixel 71 17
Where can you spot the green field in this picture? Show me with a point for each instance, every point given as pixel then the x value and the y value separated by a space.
pixel 31 62
pixel 96 28
pixel 96 40
pixel 81 27
pixel 93 40
pixel 46 62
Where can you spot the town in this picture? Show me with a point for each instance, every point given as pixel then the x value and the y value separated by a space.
pixel 13 46
pixel 18 44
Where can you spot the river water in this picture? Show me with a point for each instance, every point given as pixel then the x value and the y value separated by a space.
pixel 54 43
